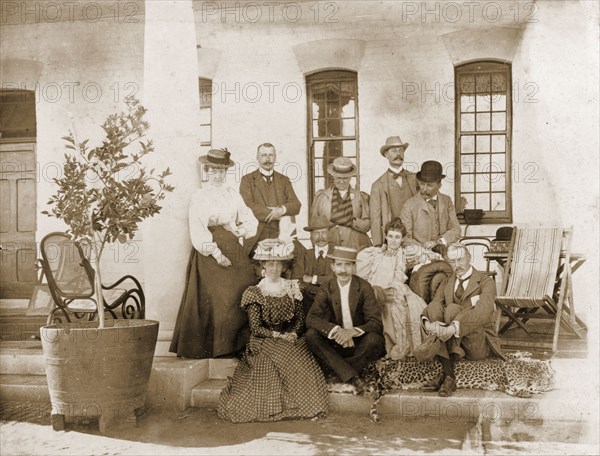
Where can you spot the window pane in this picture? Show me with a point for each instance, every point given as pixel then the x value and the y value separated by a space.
pixel 467 103
pixel 467 163
pixel 348 127
pixel 316 110
pixel 467 144
pixel 498 181
pixel 483 103
pixel 320 128
pixel 467 122
pixel 467 83
pixel 332 150
pixel 483 122
pixel 498 163
pixel 499 121
pixel 318 167
pixel 318 149
pixel 205 93
pixel 348 109
pixel 483 143
pixel 467 183
pixel 483 83
pixel 349 148
pixel 499 82
pixel 334 127
pixel 205 115
pixel 470 198
pixel 498 143
pixel 482 183
pixel 482 201
pixel 205 133
pixel 484 162
pixel 498 102
pixel 319 183
pixel 498 201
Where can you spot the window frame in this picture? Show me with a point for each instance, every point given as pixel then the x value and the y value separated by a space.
pixel 476 68
pixel 330 75
pixel 206 82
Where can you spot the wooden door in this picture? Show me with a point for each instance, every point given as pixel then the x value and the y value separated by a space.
pixel 17 219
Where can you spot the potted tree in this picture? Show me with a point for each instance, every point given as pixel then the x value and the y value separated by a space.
pixel 101 369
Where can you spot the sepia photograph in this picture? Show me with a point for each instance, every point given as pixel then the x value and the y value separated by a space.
pixel 303 227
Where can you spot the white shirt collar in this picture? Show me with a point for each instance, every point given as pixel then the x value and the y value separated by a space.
pixel 434 198
pixel 318 249
pixel 396 170
pixel 265 173
pixel 466 274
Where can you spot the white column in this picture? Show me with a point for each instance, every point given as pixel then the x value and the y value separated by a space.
pixel 172 98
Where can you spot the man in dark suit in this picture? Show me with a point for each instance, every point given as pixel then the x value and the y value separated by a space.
pixel 344 322
pixel 312 267
pixel 391 189
pixel 461 317
pixel 270 196
pixel 429 216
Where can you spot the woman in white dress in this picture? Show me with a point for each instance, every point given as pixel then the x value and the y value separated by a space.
pixel 384 268
pixel 211 322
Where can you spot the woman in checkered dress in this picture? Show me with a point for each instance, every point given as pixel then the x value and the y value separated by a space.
pixel 277 378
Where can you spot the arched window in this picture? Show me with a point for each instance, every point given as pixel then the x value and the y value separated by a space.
pixel 483 139
pixel 332 124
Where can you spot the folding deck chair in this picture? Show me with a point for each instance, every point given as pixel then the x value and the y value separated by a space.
pixel 535 279
pixel 70 278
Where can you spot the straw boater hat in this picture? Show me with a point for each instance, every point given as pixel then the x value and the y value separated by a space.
pixel 217 158
pixel 274 250
pixel 343 253
pixel 431 171
pixel 392 141
pixel 342 167
pixel 318 223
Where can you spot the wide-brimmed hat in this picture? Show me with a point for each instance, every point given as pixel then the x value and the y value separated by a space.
pixel 217 158
pixel 318 223
pixel 342 167
pixel 392 141
pixel 343 253
pixel 274 250
pixel 431 171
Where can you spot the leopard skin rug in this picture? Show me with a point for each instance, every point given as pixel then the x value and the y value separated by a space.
pixel 520 375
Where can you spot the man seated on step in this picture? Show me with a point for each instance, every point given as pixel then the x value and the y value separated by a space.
pixel 460 320
pixel 344 323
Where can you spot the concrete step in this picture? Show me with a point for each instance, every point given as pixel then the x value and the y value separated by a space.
pixel 16 325
pixel 23 388
pixel 22 358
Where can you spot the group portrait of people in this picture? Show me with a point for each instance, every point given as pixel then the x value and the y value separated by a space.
pixel 290 313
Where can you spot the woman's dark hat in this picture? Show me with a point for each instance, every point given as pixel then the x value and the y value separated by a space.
pixel 431 171
pixel 217 158
pixel 504 233
pixel 318 223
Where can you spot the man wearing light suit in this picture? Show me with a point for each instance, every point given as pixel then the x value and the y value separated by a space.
pixel 391 190
pixel 460 320
pixel 429 216
pixel 270 196
pixel 344 322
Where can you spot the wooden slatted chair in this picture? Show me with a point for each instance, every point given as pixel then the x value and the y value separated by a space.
pixel 70 278
pixel 534 279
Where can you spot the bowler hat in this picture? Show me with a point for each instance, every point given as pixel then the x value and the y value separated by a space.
pixel 217 158
pixel 342 167
pixel 274 250
pixel 392 141
pixel 428 349
pixel 343 253
pixel 431 171
pixel 318 223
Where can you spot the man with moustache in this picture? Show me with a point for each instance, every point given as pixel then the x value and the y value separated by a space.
pixel 344 322
pixel 391 190
pixel 429 216
pixel 270 196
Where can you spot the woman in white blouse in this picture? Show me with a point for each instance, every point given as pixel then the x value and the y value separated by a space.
pixel 211 322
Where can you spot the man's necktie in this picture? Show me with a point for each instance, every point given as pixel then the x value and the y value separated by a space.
pixel 321 263
pixel 394 174
pixel 269 179
pixel 433 203
pixel 460 289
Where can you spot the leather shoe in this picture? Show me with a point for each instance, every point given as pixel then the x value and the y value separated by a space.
pixel 448 387
pixel 359 384
pixel 435 383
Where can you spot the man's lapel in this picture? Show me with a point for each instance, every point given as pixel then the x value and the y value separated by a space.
pixel 309 261
pixel 261 186
pixel 473 285
pixel 336 301
pixel 449 290
pixel 412 182
pixel 353 295
pixel 326 207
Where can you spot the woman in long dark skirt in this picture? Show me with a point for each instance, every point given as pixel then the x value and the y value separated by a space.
pixel 210 322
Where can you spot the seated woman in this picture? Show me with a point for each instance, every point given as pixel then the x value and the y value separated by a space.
pixel 384 268
pixel 277 377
